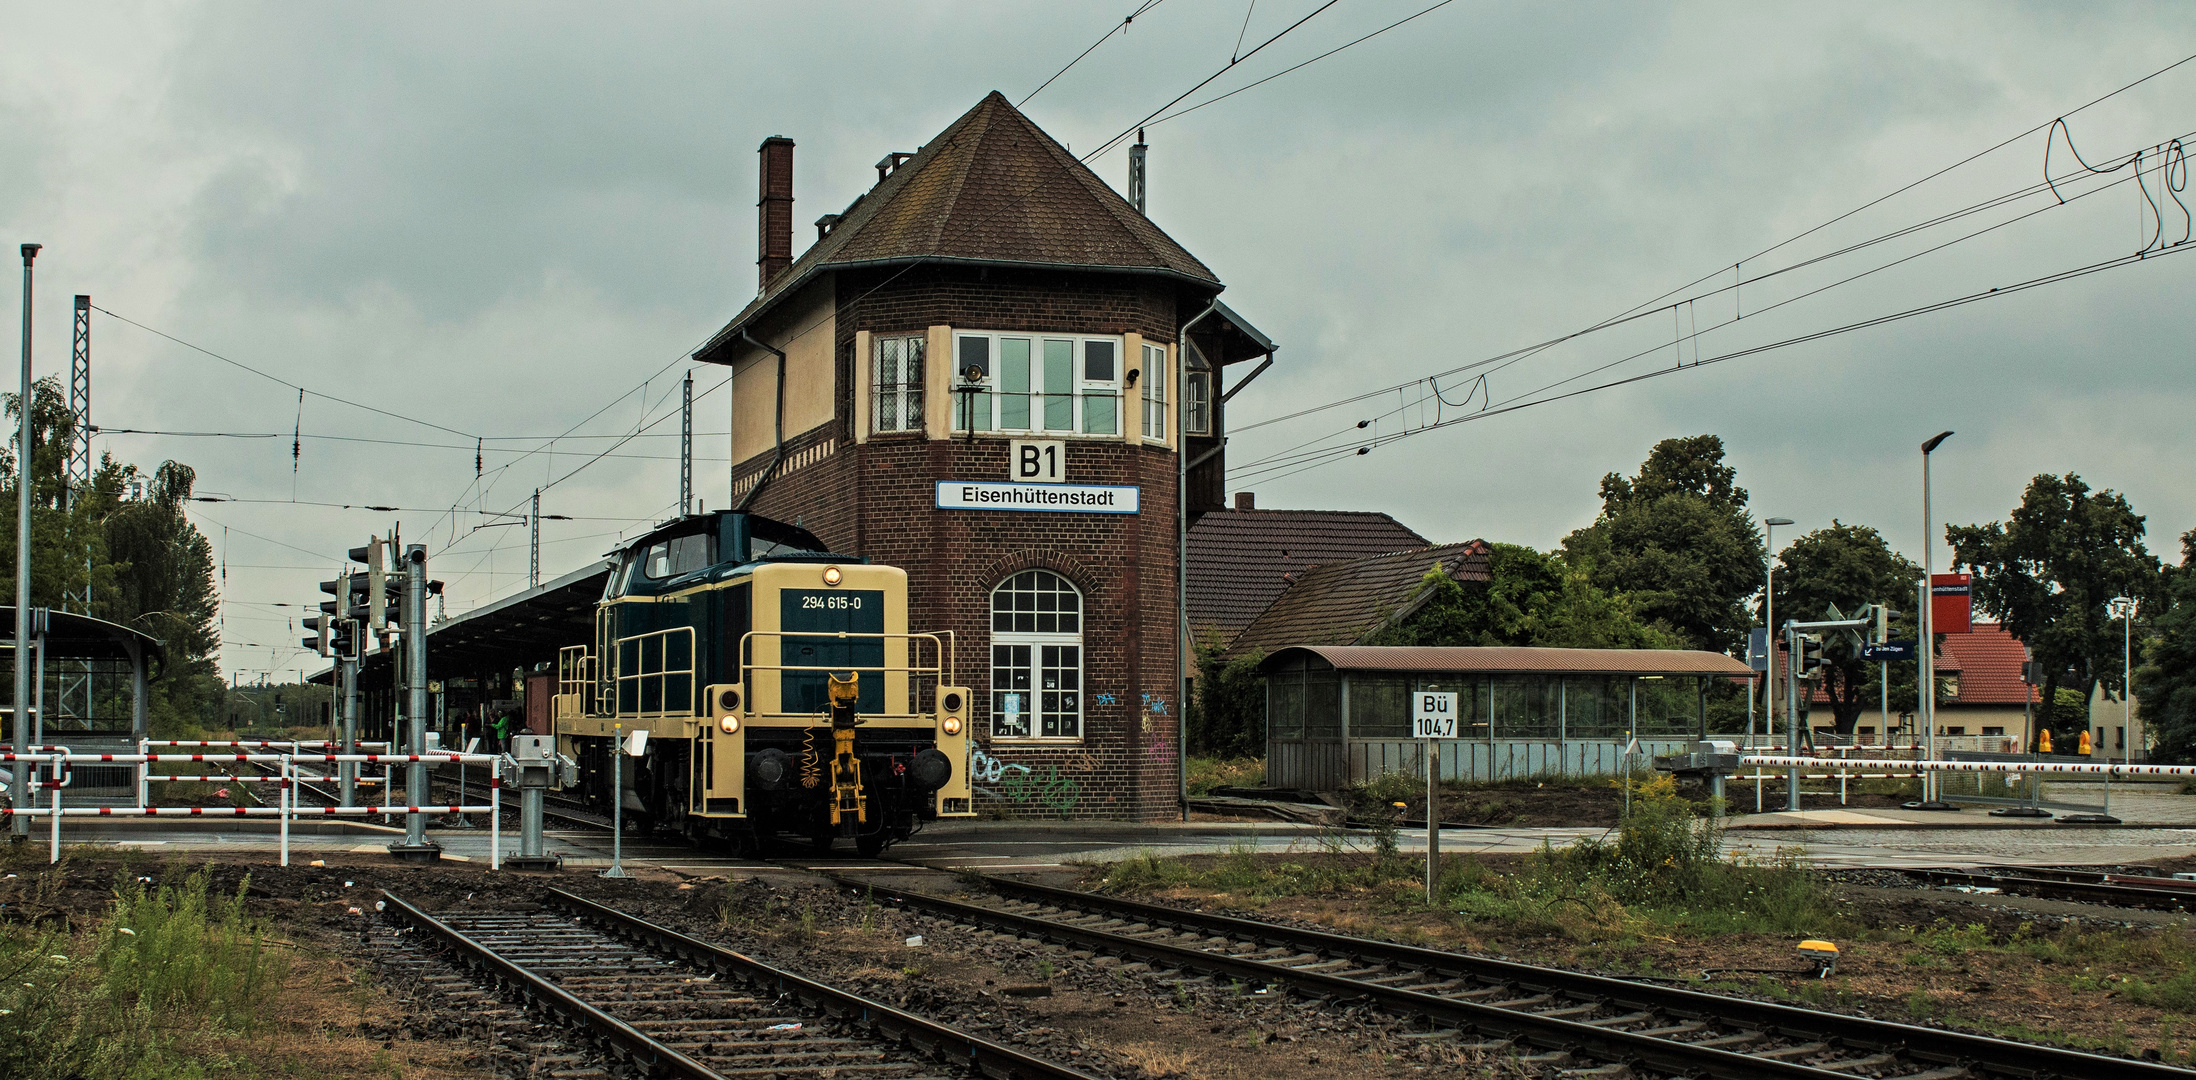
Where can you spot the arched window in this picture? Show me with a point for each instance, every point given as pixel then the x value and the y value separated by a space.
pixel 1036 658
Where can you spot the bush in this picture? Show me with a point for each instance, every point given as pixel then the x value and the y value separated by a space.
pixel 1207 773
pixel 132 997
pixel 1228 716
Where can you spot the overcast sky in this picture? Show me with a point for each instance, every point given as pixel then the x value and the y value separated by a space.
pixel 500 218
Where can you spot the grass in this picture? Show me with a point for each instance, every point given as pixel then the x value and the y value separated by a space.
pixel 143 994
pixel 1207 773
pixel 1662 871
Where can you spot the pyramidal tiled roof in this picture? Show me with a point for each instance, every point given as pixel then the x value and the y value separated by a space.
pixel 992 188
pixel 1341 602
pixel 1240 560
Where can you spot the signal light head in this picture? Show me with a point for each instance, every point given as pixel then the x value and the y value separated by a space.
pixel 951 702
pixel 832 576
pixel 951 725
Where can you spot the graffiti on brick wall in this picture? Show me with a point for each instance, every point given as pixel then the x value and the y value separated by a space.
pixel 1043 786
pixel 1157 731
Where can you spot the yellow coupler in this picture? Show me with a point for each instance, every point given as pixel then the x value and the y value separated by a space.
pixel 846 772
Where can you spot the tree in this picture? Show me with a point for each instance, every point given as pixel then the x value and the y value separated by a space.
pixel 1530 598
pixel 1678 543
pixel 138 559
pixel 2166 683
pixel 1227 717
pixel 1844 567
pixel 2047 572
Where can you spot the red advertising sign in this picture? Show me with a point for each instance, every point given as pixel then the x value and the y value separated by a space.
pixel 1950 603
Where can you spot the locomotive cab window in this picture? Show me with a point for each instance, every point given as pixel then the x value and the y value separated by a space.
pixel 1036 658
pixel 675 556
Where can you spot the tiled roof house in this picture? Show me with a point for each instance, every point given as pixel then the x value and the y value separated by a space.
pixel 1241 560
pixel 1341 603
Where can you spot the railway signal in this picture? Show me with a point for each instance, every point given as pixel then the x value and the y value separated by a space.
pixel 321 628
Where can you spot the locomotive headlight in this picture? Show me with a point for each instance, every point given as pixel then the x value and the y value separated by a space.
pixel 831 575
pixel 728 700
pixel 951 725
pixel 730 724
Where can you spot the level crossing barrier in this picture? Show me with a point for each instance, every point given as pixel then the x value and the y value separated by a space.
pixel 2033 767
pixel 146 777
pixel 57 761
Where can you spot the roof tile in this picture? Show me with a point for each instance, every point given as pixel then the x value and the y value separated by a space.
pixel 1339 603
pixel 1241 560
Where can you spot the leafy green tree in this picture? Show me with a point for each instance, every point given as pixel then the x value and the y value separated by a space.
pixel 139 560
pixel 1678 543
pixel 1227 717
pixel 1531 598
pixel 2047 572
pixel 2165 685
pixel 1845 567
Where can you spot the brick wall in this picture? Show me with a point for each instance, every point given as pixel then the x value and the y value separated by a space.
pixel 878 499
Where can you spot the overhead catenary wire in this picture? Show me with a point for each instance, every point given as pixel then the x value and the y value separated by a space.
pixel 1202 83
pixel 1147 5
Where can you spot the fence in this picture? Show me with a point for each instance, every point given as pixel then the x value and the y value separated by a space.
pixel 58 761
pixel 2014 768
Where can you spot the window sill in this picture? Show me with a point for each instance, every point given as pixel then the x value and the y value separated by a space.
pixel 1010 434
pixel 1036 740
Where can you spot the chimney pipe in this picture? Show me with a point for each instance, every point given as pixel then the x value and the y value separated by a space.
pixel 1136 173
pixel 1245 500
pixel 774 211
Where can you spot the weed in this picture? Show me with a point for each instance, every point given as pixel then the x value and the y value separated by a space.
pixel 1207 773
pixel 1046 970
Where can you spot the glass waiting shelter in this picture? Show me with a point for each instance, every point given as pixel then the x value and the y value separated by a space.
pixel 1341 714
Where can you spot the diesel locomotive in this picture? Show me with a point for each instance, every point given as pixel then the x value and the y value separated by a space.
pixel 777 684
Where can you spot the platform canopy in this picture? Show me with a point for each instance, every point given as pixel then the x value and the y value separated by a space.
pixel 1511 660
pixel 70 636
pixel 519 630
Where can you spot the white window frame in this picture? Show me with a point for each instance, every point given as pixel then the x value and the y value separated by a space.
pixel 993 407
pixel 1154 380
pixel 1197 402
pixel 904 388
pixel 1068 717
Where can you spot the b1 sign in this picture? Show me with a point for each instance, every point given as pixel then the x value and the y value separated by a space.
pixel 1433 715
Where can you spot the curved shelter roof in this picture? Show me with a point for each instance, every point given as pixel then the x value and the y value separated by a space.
pixel 1512 660
pixel 70 636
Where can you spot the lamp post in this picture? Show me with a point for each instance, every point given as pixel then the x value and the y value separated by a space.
pixel 1769 638
pixel 1928 643
pixel 20 826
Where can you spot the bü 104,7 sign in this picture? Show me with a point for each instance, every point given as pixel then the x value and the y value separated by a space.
pixel 1433 715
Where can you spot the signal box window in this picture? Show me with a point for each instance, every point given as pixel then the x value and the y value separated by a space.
pixel 1155 391
pixel 899 382
pixel 1064 384
pixel 1036 658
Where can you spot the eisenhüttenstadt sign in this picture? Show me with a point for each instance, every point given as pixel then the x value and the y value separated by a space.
pixel 1053 498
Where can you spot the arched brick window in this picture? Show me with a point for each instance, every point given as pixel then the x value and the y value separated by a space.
pixel 1036 657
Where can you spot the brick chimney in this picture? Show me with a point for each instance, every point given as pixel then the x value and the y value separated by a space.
pixel 1245 500
pixel 774 211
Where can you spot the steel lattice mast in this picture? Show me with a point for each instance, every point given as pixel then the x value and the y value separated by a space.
pixel 76 472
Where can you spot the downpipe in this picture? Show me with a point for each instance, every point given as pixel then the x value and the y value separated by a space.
pixel 777 450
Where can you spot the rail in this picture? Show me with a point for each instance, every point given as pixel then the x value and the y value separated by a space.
pixel 986 1057
pixel 652 1055
pixel 1667 1029
pixel 58 761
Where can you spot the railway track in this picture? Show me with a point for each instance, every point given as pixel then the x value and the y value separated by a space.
pixel 2083 886
pixel 672 1005
pixel 1581 1024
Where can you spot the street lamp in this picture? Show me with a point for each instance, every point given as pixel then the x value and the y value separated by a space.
pixel 1928 643
pixel 1769 641
pixel 2123 609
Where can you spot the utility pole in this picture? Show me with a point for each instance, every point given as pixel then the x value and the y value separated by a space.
pixel 533 542
pixel 19 825
pixel 686 449
pixel 416 847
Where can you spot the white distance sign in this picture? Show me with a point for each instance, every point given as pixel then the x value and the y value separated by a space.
pixel 1433 715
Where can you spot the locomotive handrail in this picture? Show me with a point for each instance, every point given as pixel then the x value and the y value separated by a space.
pixel 662 674
pixel 942 640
